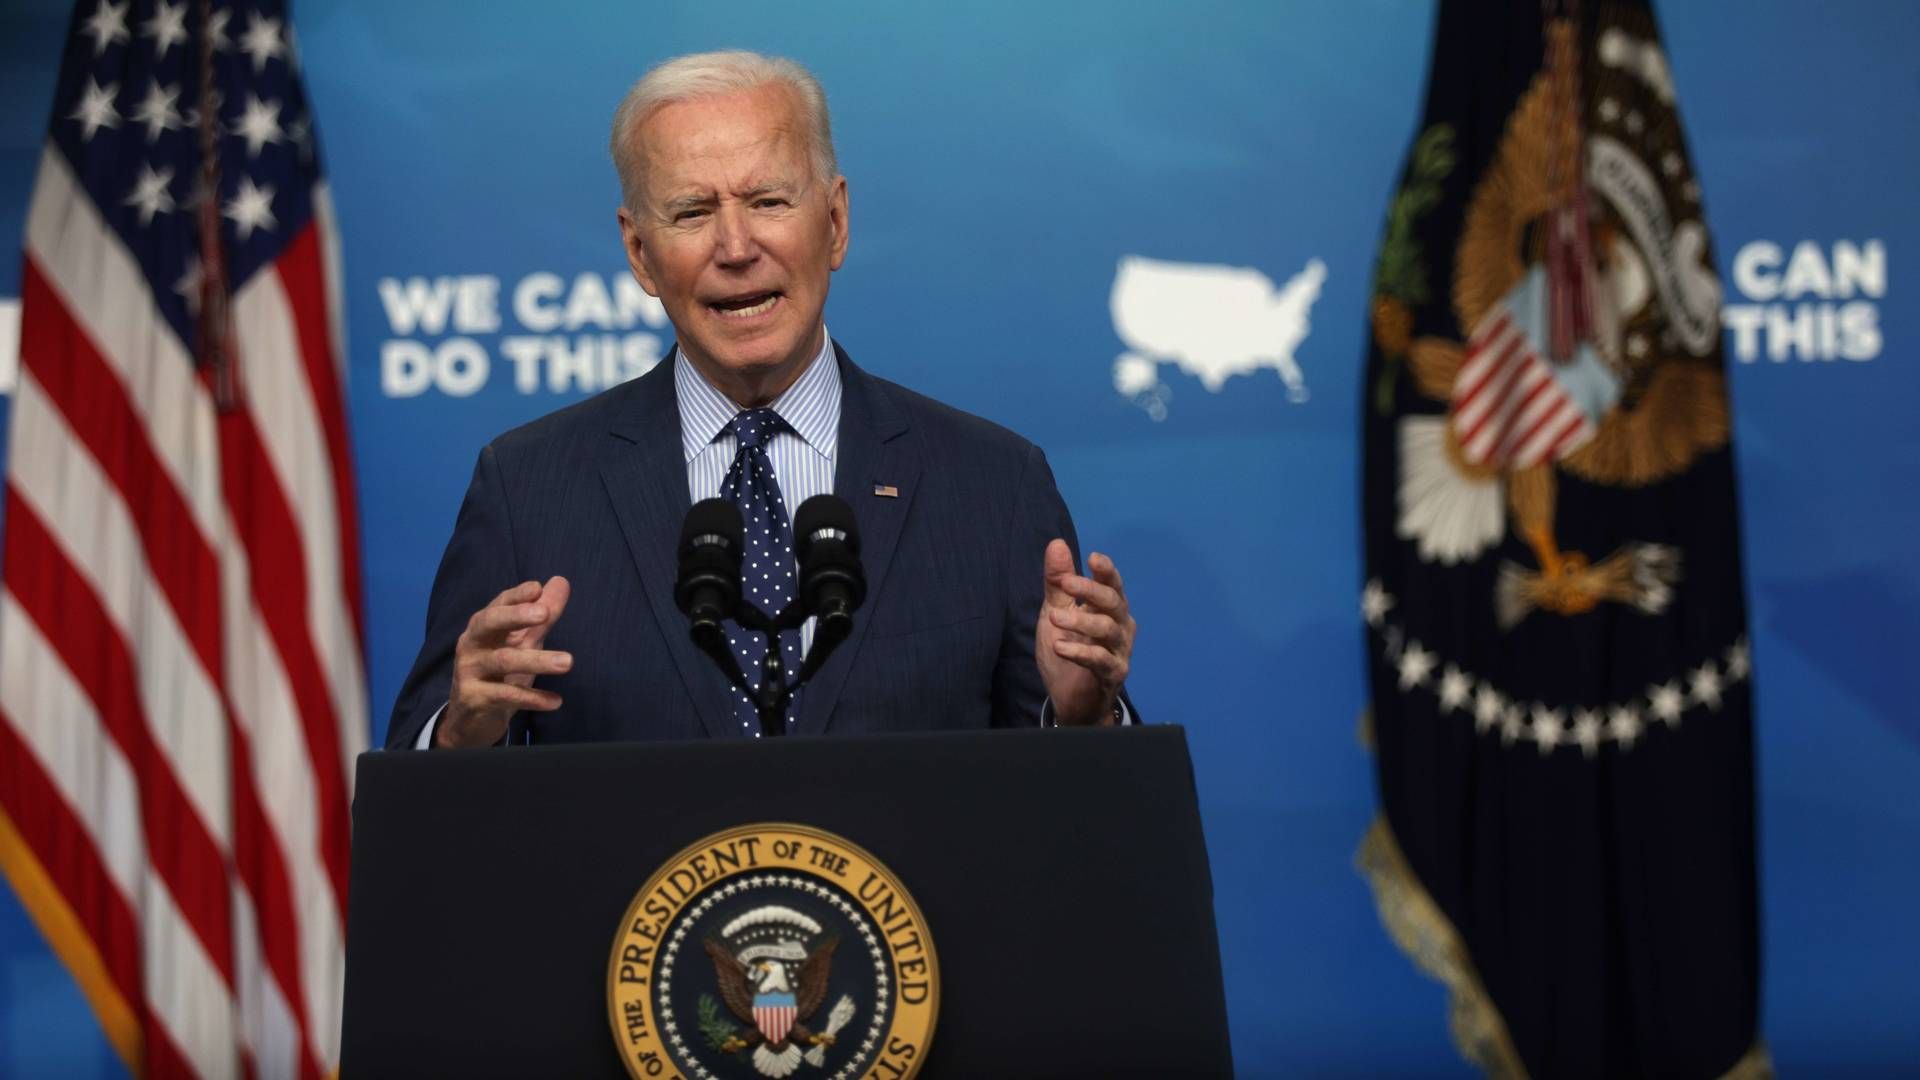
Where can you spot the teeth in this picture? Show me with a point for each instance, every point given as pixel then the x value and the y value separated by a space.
pixel 748 312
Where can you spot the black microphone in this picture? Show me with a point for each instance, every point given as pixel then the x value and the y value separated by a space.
pixel 832 582
pixel 708 589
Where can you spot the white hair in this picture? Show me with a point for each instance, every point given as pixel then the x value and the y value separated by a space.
pixel 713 74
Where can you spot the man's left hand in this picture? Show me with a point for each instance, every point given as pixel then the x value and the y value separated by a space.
pixel 1084 641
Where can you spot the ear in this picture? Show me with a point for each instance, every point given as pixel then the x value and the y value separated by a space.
pixel 837 221
pixel 632 238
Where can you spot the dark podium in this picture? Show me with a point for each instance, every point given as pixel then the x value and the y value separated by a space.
pixel 1061 874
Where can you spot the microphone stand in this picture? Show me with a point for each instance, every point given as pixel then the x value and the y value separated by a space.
pixel 775 693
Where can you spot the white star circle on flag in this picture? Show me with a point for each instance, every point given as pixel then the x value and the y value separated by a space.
pixel 262 40
pixel 106 25
pixel 259 124
pixel 150 192
pixel 95 110
pixel 167 28
pixel 251 207
pixel 157 110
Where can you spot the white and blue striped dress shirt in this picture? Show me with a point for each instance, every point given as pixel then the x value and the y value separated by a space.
pixel 802 457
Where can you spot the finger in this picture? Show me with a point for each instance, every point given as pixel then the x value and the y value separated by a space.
pixel 1059 568
pixel 553 596
pixel 519 594
pixel 1101 569
pixel 499 663
pixel 1089 624
pixel 1108 668
pixel 497 695
pixel 1095 595
pixel 490 626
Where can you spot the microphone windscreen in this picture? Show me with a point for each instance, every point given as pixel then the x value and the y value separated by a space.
pixel 824 513
pixel 712 517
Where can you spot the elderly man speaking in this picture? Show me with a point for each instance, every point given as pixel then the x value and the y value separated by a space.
pixel 554 599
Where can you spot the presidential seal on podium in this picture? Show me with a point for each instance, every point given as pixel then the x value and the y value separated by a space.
pixel 772 950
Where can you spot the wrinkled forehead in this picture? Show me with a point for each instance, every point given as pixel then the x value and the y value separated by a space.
pixel 752 140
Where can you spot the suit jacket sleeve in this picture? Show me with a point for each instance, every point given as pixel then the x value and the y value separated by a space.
pixel 478 564
pixel 1039 515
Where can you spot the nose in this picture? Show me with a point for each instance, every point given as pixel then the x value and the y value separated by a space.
pixel 733 241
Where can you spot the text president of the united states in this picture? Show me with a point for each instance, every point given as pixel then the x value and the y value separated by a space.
pixel 554 602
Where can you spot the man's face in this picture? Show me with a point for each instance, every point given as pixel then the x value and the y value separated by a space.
pixel 736 236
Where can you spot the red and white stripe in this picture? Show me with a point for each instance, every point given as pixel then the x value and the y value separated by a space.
pixel 774 1021
pixel 1509 412
pixel 182 690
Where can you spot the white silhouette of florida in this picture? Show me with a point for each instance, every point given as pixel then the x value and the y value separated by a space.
pixel 1214 322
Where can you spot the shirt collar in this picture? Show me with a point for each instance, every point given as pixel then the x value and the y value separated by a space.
pixel 811 406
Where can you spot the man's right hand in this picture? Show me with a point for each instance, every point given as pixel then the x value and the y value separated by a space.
pixel 496 660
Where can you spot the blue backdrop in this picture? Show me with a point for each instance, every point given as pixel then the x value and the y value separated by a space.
pixel 1003 158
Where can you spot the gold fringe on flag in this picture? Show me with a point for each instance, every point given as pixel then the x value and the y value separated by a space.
pixel 69 941
pixel 1429 939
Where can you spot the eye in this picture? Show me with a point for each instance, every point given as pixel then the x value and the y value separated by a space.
pixel 769 201
pixel 689 215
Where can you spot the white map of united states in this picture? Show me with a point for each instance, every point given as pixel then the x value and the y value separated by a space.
pixel 1212 322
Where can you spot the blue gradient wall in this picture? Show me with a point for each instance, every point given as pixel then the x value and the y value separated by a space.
pixel 1002 159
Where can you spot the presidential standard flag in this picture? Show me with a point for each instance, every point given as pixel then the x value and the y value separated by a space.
pixel 1560 675
pixel 181 682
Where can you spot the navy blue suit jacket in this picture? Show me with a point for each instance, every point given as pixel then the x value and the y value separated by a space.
pixel 597 492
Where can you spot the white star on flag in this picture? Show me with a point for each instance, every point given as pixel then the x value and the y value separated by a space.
pixel 1375 603
pixel 106 25
pixel 259 124
pixel 262 40
pixel 1623 724
pixel 95 110
pixel 1512 725
pixel 150 192
pixel 1665 702
pixel 1739 661
pixel 1455 687
pixel 217 29
pixel 1548 725
pixel 1586 730
pixel 157 111
pixel 1416 664
pixel 1671 164
pixel 1487 705
pixel 167 28
pixel 251 208
pixel 1704 686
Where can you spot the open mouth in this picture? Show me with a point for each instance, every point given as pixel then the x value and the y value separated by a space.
pixel 746 306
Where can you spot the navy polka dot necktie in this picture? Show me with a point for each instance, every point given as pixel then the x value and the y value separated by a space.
pixel 767 571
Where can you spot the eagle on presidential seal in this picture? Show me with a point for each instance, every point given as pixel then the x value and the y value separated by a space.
pixel 775 983
pixel 1585 284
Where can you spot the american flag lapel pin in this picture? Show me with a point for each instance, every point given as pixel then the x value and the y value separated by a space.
pixel 886 491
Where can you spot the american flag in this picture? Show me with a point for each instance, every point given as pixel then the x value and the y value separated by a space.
pixel 1510 409
pixel 181 679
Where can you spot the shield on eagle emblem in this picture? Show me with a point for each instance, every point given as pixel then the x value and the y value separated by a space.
pixel 773 1015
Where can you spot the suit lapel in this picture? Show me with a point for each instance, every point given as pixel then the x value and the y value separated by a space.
pixel 645 472
pixel 872 451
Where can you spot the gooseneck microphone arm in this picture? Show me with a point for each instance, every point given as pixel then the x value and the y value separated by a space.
pixel 832 586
